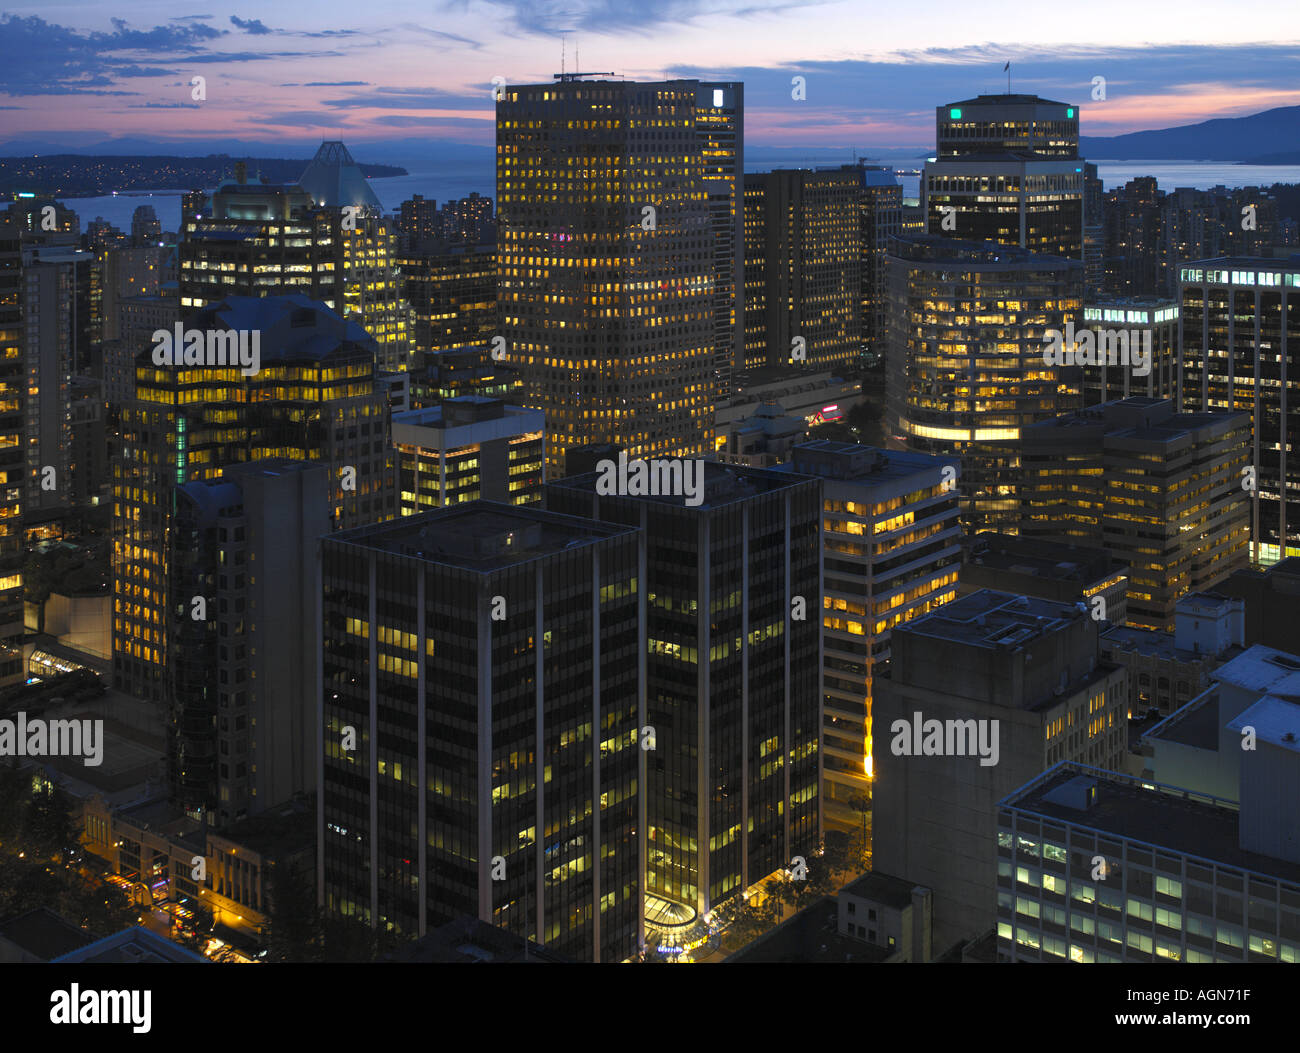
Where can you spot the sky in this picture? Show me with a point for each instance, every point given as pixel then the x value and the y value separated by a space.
pixel 375 70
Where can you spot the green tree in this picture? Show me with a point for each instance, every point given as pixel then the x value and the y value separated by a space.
pixel 48 829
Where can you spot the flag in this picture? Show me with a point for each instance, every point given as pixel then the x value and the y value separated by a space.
pixel 1006 67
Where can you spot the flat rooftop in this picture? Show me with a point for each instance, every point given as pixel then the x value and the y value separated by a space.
pixel 1167 817
pixel 882 888
pixel 1195 724
pixel 723 485
pixel 481 536
pixel 812 935
pixel 990 619
pixel 1040 558
pixel 856 463
pixel 1263 669
pixel 1275 720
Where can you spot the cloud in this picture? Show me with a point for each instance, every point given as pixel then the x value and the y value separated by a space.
pixel 251 25
pixel 550 17
pixel 413 99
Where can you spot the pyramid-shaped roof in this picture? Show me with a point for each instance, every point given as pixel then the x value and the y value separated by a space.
pixel 333 179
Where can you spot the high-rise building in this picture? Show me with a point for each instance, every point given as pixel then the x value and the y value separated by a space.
pixel 1094 231
pixel 720 123
pixel 13 453
pixel 145 228
pixel 891 552
pixel 1008 170
pixel 881 211
pixel 965 369
pixel 453 295
pixel 981 696
pixel 314 398
pixel 325 238
pixel 55 339
pixel 1160 490
pixel 1131 319
pixel 1239 329
pixel 606 257
pixel 242 644
pixel 489 663
pixel 730 579
pixel 468 449
pixel 463 370
pixel 803 267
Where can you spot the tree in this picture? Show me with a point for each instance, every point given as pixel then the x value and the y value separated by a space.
pixel 48 828
pixel 296 932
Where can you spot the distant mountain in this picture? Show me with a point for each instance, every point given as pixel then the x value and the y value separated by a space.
pixel 1244 140
pixel 91 175
pixel 422 148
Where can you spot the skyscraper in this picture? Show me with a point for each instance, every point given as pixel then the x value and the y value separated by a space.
pixel 1008 171
pixel 891 553
pixel 1239 331
pixel 731 589
pixel 324 237
pixel 489 664
pixel 13 456
pixel 803 267
pixel 606 255
pixel 314 398
pixel 965 368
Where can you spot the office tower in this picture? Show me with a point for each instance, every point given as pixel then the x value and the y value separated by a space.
pixel 1125 322
pixel 720 123
pixel 489 660
pixel 1160 490
pixel 1094 232
pixel 965 369
pixel 1135 221
pixel 803 267
pixel 468 449
pixel 1008 170
pixel 981 696
pixel 606 262
pixel 732 677
pixel 1240 327
pixel 13 454
pixel 145 228
pixel 325 238
pixel 881 211
pixel 242 662
pixel 55 338
pixel 1270 597
pixel 314 398
pixel 891 553
pixel 453 295
pixel 1167 671
pixel 1095 866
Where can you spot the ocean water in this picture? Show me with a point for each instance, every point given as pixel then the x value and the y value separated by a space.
pixel 443 181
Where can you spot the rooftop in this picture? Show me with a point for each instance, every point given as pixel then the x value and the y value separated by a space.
pixel 469 941
pixel 882 888
pixel 853 462
pixel 44 934
pixel 990 619
pixel 481 536
pixel 133 946
pixel 1263 669
pixel 1154 814
pixel 1058 560
pixel 812 935
pixel 1275 720
pixel 1195 724
pixel 722 485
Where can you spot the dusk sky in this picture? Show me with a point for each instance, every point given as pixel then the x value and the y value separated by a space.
pixel 384 69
